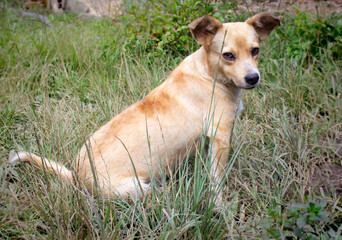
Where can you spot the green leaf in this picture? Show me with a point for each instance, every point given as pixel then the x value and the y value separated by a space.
pixel 301 221
pixel 323 216
pixel 322 203
pixel 298 232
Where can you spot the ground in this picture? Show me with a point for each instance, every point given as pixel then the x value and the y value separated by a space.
pixel 328 6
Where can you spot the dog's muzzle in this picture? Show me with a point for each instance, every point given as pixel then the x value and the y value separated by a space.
pixel 252 79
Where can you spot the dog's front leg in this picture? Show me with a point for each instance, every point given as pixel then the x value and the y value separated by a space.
pixel 219 157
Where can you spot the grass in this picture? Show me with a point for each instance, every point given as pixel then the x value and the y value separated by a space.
pixel 58 85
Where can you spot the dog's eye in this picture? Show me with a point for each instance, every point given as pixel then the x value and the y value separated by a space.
pixel 255 51
pixel 228 56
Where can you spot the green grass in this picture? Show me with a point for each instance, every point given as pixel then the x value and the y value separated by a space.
pixel 58 85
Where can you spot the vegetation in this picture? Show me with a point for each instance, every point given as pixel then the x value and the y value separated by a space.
pixel 59 84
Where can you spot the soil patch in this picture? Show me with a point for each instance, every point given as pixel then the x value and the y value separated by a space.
pixel 327 177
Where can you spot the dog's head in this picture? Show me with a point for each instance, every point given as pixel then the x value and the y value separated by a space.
pixel 238 45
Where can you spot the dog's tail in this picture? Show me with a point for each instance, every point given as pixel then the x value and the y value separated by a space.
pixel 57 168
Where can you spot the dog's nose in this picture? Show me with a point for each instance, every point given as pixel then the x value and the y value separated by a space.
pixel 252 78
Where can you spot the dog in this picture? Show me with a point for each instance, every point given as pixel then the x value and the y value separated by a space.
pixel 165 126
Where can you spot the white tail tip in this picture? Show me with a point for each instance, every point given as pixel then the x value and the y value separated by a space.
pixel 13 157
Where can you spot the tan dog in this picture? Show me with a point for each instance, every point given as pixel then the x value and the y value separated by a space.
pixel 201 93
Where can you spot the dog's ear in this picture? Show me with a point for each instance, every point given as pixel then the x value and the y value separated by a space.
pixel 204 29
pixel 263 24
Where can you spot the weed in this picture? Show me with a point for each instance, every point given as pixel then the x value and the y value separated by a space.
pixel 310 38
pixel 304 221
pixel 163 25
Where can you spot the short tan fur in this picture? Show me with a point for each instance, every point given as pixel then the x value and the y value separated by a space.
pixel 167 124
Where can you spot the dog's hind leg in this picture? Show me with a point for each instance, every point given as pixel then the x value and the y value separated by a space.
pixel 134 187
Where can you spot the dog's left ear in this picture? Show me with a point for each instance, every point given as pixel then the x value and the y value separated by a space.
pixel 204 29
pixel 263 24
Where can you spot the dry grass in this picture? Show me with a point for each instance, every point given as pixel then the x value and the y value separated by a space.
pixel 58 85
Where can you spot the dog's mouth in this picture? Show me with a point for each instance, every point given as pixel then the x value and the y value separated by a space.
pixel 250 87
pixel 247 86
pixel 231 82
